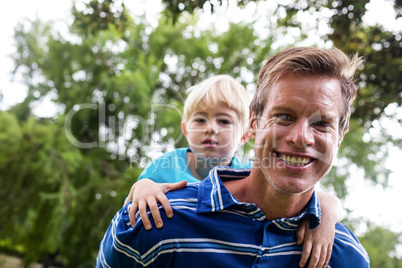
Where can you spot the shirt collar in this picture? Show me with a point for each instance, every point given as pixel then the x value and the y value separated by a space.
pixel 312 211
pixel 213 196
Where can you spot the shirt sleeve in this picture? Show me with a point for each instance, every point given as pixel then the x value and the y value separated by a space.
pixel 346 244
pixel 120 244
pixel 151 172
pixel 170 167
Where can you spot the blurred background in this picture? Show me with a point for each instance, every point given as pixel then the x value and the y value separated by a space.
pixel 92 91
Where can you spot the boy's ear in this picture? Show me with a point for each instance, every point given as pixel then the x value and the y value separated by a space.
pixel 184 128
pixel 244 138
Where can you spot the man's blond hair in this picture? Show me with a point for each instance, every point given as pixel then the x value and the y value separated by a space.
pixel 220 88
pixel 310 61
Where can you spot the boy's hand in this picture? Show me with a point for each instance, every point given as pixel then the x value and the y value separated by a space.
pixel 318 242
pixel 147 193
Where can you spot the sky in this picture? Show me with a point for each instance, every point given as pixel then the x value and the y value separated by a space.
pixel 365 200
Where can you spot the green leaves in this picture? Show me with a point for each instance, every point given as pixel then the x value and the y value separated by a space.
pixel 99 15
pixel 54 194
pixel 121 83
pixel 380 244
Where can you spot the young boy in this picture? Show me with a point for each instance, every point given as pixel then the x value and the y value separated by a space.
pixel 214 119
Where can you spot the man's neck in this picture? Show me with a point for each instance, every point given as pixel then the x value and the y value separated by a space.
pixel 256 189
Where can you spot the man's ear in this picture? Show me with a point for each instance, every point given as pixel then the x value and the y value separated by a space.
pixel 184 128
pixel 252 126
pixel 342 136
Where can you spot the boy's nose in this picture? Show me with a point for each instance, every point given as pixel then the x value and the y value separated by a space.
pixel 211 128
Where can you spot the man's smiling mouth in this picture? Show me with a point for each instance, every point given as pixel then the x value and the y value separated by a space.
pixel 295 161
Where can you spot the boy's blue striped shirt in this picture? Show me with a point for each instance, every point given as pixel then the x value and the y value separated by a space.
pixel 212 228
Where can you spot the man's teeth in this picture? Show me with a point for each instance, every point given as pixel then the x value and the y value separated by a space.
pixel 295 161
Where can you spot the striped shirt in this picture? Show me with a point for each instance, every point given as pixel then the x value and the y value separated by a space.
pixel 211 228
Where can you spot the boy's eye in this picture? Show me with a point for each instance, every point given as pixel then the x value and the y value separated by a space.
pixel 224 121
pixel 200 120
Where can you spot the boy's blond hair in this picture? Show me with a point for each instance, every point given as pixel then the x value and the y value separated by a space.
pixel 224 88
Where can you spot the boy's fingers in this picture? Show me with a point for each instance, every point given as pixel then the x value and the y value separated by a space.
pixel 153 206
pixel 142 208
pixel 130 195
pixel 131 214
pixel 166 205
pixel 300 233
pixel 329 253
pixel 175 186
pixel 317 258
pixel 305 254
pixel 128 199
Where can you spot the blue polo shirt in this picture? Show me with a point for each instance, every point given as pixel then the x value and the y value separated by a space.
pixel 211 228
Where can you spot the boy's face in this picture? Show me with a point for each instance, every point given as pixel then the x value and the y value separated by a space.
pixel 214 133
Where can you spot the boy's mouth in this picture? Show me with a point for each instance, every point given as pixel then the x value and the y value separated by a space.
pixel 209 142
pixel 297 161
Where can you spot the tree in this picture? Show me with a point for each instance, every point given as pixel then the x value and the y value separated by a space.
pixel 50 188
pixel 380 244
pixel 118 90
pixel 121 83
pixel 173 9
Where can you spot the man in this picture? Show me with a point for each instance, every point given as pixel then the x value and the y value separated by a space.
pixel 248 218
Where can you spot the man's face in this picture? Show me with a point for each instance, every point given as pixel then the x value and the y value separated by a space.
pixel 297 136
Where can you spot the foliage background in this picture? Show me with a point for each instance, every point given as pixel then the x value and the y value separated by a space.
pixel 120 81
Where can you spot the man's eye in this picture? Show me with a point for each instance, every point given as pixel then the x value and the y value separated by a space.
pixel 321 123
pixel 285 117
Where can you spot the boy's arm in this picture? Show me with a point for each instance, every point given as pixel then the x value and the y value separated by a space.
pixel 331 207
pixel 147 193
pixel 319 241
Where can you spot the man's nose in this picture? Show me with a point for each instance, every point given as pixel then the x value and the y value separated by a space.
pixel 301 134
